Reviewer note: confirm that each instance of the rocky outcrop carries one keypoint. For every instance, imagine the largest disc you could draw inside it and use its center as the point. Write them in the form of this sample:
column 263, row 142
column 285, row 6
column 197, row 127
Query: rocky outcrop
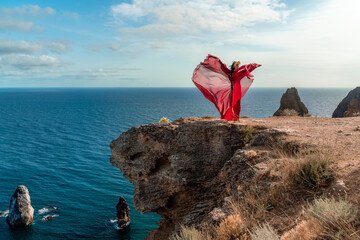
column 20, row 211
column 290, row 100
column 185, row 169
column 123, row 213
column 349, row 106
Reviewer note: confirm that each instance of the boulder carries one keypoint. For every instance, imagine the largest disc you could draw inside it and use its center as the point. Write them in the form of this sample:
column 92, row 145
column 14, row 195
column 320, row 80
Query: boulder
column 290, row 100
column 20, row 211
column 349, row 106
column 123, row 213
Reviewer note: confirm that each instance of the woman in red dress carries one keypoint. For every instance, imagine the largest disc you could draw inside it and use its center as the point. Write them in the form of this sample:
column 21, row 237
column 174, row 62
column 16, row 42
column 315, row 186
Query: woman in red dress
column 222, row 86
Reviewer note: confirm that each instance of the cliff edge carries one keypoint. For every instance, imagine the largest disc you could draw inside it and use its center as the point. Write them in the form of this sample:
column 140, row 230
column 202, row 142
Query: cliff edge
column 190, row 170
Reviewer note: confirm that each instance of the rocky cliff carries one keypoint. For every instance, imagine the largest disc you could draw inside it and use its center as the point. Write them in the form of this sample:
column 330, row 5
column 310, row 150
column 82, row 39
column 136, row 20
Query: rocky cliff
column 349, row 106
column 187, row 170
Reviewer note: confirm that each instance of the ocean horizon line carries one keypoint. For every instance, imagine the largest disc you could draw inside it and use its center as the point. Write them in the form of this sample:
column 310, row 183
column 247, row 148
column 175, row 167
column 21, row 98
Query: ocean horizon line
column 16, row 88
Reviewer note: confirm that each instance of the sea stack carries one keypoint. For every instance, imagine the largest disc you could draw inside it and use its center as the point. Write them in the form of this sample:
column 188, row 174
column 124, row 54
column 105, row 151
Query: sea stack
column 349, row 106
column 290, row 100
column 20, row 211
column 123, row 213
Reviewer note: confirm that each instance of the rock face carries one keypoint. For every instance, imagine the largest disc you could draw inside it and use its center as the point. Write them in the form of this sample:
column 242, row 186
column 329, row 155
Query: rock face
column 20, row 211
column 349, row 106
column 291, row 100
column 184, row 169
column 123, row 213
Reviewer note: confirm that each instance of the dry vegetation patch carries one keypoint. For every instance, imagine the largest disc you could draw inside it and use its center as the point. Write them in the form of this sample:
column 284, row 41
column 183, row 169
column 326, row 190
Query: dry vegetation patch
column 338, row 218
column 264, row 232
column 312, row 172
column 289, row 112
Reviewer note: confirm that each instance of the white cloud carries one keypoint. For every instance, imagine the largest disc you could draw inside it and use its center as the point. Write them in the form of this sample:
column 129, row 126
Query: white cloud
column 59, row 47
column 98, row 47
column 27, row 10
column 15, row 25
column 71, row 15
column 24, row 62
column 164, row 18
column 21, row 18
column 9, row 46
column 114, row 46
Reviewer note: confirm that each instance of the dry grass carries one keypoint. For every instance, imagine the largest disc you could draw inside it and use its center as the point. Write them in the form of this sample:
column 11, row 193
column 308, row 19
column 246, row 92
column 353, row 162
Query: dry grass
column 265, row 232
column 313, row 172
column 330, row 210
column 327, row 219
column 189, row 233
column 308, row 171
column 338, row 218
column 306, row 230
column 232, row 228
column 289, row 112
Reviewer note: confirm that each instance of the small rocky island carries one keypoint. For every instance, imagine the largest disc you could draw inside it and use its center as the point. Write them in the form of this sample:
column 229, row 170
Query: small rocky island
column 193, row 171
column 123, row 213
column 290, row 104
column 21, row 213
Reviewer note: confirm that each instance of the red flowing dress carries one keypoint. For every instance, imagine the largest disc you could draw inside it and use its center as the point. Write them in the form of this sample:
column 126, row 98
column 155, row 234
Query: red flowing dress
column 214, row 80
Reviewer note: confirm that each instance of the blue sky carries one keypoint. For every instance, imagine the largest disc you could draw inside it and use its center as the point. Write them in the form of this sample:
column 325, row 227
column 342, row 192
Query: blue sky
column 158, row 43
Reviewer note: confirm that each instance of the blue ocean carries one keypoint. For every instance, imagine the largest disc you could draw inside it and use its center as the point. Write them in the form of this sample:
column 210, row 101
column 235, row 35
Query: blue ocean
column 56, row 142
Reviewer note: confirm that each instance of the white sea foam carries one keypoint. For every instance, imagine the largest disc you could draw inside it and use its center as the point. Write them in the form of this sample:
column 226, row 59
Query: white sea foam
column 45, row 218
column 116, row 226
column 47, row 209
column 4, row 213
column 43, row 210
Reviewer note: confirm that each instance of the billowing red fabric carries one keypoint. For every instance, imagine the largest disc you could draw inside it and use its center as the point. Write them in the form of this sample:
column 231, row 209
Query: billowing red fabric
column 213, row 79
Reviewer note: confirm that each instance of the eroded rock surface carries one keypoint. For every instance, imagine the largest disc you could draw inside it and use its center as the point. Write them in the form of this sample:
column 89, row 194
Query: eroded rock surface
column 185, row 169
column 20, row 211
column 349, row 106
column 291, row 100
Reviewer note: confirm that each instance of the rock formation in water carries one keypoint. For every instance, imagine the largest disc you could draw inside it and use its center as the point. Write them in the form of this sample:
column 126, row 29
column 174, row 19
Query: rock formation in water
column 20, row 211
column 349, row 106
column 123, row 213
column 290, row 100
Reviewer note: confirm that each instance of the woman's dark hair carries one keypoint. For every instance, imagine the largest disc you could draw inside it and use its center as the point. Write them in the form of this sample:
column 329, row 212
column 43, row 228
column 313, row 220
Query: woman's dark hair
column 232, row 68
